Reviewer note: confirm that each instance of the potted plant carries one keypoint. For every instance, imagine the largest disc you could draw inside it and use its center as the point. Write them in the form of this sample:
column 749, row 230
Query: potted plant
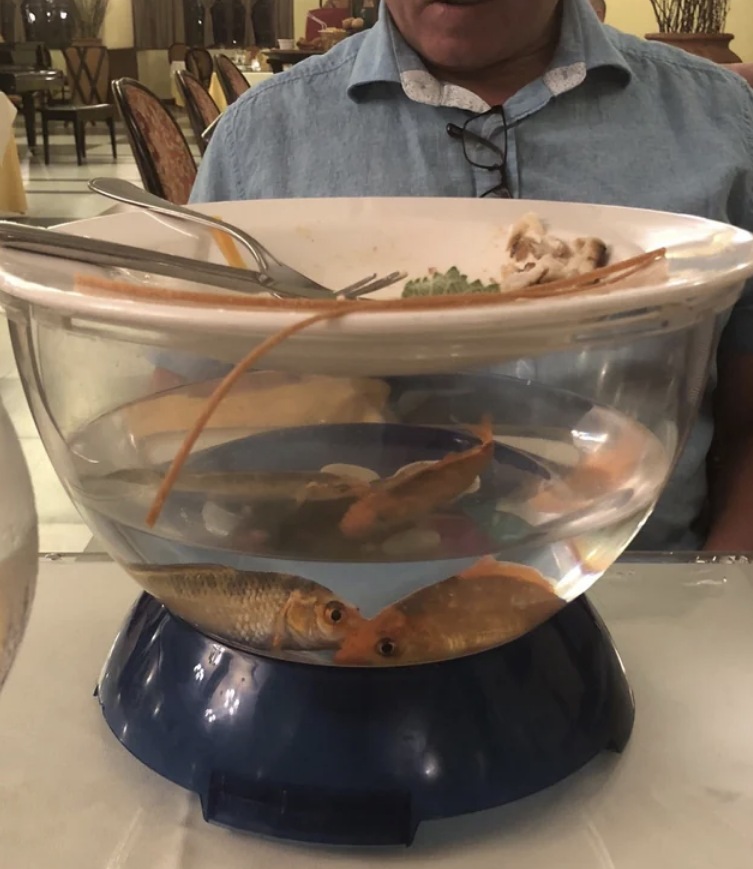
column 696, row 26
column 89, row 18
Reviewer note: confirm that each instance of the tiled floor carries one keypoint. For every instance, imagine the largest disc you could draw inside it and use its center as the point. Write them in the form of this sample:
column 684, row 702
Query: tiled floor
column 56, row 194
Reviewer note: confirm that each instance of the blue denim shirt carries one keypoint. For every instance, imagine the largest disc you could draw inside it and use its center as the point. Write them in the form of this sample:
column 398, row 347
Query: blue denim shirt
column 615, row 120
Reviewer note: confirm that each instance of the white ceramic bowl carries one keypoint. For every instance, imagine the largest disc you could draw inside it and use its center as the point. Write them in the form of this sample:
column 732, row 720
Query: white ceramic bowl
column 339, row 241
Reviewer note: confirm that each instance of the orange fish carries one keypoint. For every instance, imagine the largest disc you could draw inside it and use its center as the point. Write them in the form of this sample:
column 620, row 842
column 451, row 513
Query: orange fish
column 490, row 604
column 401, row 500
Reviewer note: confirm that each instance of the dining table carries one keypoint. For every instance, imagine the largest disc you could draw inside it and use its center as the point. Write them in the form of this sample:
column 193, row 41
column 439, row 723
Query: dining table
column 253, row 78
column 279, row 59
column 12, row 193
column 679, row 797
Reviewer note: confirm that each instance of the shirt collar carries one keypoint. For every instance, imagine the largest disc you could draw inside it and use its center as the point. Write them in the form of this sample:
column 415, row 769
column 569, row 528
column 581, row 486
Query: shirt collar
column 385, row 57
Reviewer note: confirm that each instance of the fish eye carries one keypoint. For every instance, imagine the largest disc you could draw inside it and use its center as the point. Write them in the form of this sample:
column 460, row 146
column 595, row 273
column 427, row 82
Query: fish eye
column 386, row 647
column 335, row 612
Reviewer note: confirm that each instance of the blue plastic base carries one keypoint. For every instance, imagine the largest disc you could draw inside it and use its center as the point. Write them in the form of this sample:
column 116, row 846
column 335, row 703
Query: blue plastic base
column 355, row 756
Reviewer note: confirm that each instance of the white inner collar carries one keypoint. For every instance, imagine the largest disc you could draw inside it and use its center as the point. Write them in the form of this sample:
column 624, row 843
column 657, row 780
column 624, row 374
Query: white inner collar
column 422, row 87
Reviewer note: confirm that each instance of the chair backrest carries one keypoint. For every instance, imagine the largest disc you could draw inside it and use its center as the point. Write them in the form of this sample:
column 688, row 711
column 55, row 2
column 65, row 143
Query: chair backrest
column 200, row 64
column 177, row 52
column 232, row 80
column 165, row 161
column 88, row 73
column 202, row 109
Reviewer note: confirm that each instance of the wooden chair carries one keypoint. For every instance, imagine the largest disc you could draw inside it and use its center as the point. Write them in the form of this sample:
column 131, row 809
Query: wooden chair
column 59, row 97
column 165, row 161
column 200, row 64
column 202, row 109
column 177, row 52
column 88, row 75
column 232, row 81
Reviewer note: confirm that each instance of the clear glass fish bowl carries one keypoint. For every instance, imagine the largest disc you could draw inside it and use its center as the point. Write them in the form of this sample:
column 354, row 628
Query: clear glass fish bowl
column 411, row 480
column 19, row 553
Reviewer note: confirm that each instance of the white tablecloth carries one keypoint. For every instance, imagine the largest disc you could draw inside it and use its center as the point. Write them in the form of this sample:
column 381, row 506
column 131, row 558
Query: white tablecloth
column 681, row 797
column 12, row 194
column 175, row 67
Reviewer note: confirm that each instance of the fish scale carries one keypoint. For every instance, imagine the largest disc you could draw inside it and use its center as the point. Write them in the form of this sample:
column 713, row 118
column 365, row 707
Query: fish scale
column 248, row 607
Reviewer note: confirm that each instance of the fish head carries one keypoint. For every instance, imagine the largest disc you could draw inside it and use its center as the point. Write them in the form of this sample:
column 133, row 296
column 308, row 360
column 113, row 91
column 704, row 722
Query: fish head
column 384, row 641
column 320, row 620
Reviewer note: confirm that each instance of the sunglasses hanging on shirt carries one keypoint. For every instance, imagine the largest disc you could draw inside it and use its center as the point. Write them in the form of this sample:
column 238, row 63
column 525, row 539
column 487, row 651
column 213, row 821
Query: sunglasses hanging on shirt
column 468, row 138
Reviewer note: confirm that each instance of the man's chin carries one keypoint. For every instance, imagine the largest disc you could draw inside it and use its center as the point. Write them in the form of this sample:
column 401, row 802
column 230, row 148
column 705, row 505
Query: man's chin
column 455, row 55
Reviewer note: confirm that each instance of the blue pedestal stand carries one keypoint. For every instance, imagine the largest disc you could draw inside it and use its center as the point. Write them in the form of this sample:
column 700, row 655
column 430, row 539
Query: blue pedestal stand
column 359, row 756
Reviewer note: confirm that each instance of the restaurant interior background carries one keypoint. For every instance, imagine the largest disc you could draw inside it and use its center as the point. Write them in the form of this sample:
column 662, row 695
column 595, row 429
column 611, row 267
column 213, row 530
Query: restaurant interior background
column 137, row 34
column 146, row 60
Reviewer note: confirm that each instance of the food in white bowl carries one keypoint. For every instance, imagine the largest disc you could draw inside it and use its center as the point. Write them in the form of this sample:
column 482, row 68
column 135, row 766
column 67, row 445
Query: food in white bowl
column 364, row 454
column 533, row 257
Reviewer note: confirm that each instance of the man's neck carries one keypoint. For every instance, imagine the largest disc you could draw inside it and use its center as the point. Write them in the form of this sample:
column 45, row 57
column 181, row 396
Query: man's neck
column 496, row 84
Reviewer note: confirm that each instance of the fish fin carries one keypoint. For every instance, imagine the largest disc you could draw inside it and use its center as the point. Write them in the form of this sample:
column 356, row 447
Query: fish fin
column 280, row 633
column 484, row 430
column 486, row 566
column 358, row 519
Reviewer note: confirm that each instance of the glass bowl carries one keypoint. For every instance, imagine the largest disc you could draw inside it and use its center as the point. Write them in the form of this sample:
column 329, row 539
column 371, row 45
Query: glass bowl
column 398, row 486
column 19, row 551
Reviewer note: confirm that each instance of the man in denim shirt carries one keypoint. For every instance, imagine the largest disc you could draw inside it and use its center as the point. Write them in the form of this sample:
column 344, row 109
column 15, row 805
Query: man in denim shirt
column 593, row 115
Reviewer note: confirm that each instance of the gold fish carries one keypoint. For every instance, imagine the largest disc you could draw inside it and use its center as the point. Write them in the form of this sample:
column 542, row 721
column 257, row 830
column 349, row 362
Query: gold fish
column 264, row 611
column 403, row 499
column 490, row 604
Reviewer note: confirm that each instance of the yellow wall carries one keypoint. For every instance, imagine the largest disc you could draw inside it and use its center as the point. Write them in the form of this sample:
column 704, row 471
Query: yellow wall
column 636, row 16
column 301, row 9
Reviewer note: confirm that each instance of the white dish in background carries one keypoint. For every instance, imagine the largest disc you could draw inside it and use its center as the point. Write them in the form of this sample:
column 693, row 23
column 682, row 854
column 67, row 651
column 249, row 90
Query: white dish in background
column 338, row 241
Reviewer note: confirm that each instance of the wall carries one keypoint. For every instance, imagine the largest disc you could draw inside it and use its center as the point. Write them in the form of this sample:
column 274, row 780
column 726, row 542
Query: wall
column 301, row 9
column 636, row 16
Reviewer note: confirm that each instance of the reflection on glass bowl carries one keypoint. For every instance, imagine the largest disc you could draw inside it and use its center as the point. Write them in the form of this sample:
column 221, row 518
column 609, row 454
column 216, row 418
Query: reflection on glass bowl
column 18, row 545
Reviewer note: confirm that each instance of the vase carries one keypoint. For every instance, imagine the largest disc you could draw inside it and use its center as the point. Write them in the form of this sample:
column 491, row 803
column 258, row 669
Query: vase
column 19, row 549
column 712, row 46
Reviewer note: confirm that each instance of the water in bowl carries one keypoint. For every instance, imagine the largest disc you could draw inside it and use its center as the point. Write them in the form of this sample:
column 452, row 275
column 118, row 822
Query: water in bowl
column 259, row 520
